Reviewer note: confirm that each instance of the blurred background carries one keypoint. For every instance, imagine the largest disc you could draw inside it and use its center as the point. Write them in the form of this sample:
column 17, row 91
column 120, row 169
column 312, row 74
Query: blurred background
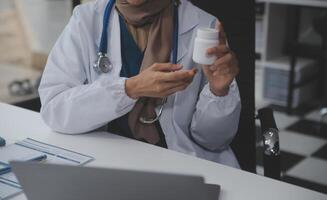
column 291, row 78
column 289, row 71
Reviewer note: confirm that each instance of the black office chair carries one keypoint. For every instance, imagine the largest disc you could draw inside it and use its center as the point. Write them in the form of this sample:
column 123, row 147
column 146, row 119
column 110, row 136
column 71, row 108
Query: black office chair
column 270, row 139
column 239, row 23
column 31, row 104
column 319, row 25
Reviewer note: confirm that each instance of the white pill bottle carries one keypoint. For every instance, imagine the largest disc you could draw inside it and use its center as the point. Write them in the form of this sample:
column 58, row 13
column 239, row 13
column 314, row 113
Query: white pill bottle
column 205, row 38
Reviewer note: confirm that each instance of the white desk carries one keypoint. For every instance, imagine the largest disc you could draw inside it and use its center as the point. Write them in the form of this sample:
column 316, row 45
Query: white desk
column 311, row 3
column 118, row 152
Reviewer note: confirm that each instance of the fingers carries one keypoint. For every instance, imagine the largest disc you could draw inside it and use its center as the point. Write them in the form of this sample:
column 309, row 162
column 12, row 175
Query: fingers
column 226, row 65
column 226, row 59
column 226, row 70
column 166, row 67
column 222, row 34
column 218, row 50
column 177, row 76
column 177, row 89
column 222, row 49
column 168, row 88
column 174, row 86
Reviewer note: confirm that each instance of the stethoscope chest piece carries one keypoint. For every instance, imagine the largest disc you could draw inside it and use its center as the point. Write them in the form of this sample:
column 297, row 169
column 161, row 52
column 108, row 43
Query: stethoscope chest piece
column 103, row 64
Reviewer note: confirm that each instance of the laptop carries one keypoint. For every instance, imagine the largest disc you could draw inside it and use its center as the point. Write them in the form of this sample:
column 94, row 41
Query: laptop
column 52, row 182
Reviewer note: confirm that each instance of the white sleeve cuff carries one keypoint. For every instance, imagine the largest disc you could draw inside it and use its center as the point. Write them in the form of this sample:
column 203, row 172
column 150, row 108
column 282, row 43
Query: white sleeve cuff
column 117, row 88
column 224, row 104
column 232, row 91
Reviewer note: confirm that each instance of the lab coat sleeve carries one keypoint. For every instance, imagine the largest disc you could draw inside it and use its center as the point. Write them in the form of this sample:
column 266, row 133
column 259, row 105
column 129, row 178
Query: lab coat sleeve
column 215, row 120
column 69, row 103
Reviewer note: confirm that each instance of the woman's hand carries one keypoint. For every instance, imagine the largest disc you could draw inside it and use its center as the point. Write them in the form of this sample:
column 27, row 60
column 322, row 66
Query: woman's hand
column 223, row 71
column 159, row 80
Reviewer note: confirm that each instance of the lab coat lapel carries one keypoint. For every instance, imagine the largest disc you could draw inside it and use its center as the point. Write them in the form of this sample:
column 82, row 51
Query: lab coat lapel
column 114, row 45
column 188, row 19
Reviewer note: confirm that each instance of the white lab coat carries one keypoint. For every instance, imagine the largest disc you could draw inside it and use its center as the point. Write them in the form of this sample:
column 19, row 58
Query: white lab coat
column 75, row 99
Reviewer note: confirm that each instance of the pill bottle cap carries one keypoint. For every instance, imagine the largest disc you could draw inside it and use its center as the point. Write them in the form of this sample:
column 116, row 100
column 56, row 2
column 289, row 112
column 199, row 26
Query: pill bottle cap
column 207, row 33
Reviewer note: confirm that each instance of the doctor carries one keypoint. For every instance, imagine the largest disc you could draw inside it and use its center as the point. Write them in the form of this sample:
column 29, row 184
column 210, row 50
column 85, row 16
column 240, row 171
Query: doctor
column 126, row 65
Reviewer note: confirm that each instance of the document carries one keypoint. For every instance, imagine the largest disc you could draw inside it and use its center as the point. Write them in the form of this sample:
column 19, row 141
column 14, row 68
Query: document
column 10, row 176
column 56, row 155
column 8, row 189
column 29, row 150
column 16, row 152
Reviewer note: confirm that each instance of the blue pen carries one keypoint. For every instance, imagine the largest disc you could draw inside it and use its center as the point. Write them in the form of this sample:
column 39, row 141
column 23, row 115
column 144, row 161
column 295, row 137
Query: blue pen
column 2, row 142
column 4, row 170
column 8, row 168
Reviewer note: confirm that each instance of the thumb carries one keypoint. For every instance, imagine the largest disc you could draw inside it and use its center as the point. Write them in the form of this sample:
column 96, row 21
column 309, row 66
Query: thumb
column 222, row 34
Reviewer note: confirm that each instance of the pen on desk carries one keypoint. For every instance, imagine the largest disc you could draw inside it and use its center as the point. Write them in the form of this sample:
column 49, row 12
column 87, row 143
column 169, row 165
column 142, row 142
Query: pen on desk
column 50, row 153
column 2, row 142
column 8, row 168
column 5, row 170
column 40, row 158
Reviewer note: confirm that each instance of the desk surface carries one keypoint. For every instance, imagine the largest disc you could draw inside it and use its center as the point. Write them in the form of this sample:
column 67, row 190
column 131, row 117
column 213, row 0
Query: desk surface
column 310, row 3
column 112, row 151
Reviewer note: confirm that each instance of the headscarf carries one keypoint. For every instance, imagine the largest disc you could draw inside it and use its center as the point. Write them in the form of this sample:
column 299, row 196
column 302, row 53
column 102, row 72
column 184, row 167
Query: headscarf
column 151, row 25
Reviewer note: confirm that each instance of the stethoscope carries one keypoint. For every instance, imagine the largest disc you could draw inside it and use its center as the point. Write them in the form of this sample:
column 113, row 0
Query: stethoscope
column 103, row 64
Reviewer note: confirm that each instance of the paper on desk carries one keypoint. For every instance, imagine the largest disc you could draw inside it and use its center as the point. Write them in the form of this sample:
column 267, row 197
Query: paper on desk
column 8, row 190
column 56, row 154
column 16, row 152
column 25, row 150
column 9, row 185
column 9, row 177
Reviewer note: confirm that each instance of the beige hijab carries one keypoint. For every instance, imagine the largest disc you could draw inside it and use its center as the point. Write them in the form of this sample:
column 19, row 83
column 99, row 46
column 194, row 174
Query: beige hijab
column 151, row 25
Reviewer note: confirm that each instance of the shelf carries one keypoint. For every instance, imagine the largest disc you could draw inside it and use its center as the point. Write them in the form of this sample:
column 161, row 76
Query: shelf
column 310, row 3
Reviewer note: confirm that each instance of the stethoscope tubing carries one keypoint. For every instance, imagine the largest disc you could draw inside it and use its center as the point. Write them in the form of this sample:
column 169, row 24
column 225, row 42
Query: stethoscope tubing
column 103, row 50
